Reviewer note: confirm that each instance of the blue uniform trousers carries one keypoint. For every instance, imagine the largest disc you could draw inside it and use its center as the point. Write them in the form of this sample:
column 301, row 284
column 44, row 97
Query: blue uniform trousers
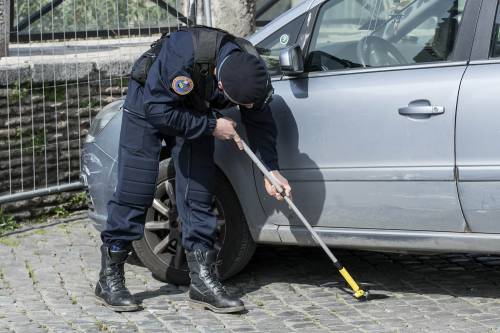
column 138, row 160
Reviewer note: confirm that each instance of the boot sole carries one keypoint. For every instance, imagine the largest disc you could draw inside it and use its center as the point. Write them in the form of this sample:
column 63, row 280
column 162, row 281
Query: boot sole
column 202, row 305
column 119, row 308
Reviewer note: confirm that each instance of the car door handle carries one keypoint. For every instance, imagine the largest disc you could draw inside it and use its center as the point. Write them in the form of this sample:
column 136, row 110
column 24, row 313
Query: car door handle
column 421, row 107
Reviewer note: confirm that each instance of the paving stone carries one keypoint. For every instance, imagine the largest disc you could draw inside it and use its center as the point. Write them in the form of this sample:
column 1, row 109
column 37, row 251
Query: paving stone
column 47, row 281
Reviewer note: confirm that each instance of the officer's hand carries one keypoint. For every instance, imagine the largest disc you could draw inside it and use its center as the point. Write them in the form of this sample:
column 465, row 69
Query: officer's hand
column 225, row 130
column 271, row 190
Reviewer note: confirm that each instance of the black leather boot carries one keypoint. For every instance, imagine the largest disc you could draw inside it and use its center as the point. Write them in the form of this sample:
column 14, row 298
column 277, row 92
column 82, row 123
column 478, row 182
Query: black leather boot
column 205, row 290
column 110, row 288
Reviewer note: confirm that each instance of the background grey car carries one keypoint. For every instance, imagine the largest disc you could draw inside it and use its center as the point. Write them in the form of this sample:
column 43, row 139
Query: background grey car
column 389, row 131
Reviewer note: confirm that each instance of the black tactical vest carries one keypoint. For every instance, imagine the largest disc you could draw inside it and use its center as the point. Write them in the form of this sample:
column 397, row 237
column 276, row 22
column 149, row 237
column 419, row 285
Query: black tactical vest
column 207, row 42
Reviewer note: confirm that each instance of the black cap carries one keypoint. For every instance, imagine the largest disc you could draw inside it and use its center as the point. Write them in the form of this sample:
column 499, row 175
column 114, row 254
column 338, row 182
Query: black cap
column 245, row 78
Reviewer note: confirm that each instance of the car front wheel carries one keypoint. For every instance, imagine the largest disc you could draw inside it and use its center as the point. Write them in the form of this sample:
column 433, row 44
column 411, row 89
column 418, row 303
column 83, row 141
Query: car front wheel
column 161, row 251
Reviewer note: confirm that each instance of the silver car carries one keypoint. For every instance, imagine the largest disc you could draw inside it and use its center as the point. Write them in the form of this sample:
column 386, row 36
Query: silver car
column 389, row 131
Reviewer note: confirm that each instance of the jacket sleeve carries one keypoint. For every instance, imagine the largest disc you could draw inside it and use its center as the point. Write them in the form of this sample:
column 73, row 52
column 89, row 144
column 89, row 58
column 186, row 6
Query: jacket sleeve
column 165, row 108
column 262, row 134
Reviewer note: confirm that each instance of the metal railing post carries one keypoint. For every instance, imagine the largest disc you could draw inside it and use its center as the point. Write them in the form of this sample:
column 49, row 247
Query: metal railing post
column 208, row 12
column 4, row 27
column 192, row 11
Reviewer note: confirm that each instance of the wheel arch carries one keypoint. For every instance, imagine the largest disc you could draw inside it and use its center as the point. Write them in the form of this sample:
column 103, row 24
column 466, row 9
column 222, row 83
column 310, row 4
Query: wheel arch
column 238, row 171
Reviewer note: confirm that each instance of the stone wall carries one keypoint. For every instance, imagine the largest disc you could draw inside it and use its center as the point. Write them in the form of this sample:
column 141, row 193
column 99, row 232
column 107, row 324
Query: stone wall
column 42, row 128
column 39, row 208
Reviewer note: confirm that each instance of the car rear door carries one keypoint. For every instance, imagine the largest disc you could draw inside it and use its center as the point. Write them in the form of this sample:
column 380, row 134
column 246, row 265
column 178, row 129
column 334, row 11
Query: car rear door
column 373, row 146
column 478, row 129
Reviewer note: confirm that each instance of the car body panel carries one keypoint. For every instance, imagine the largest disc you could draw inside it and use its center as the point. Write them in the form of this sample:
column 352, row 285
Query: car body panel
column 239, row 171
column 355, row 162
column 364, row 190
column 478, row 154
column 99, row 175
column 99, row 167
column 394, row 240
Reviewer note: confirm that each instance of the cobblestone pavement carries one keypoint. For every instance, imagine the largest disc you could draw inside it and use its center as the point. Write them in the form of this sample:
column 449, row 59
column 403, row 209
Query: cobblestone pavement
column 47, row 277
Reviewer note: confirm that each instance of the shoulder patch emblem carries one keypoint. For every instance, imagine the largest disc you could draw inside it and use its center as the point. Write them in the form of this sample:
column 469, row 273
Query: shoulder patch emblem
column 182, row 85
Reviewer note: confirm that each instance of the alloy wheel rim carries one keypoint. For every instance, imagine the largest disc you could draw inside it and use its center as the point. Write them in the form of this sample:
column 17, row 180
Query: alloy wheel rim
column 163, row 235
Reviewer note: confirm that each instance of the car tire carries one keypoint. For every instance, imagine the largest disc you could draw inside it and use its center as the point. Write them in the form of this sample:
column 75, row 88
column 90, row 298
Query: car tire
column 233, row 240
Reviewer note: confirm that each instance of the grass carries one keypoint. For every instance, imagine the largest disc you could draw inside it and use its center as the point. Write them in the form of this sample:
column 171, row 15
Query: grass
column 102, row 326
column 38, row 143
column 90, row 102
column 40, row 231
column 8, row 241
column 55, row 93
column 62, row 226
column 18, row 92
column 60, row 212
column 7, row 223
column 31, row 272
column 65, row 228
column 40, row 219
column 120, row 82
column 78, row 199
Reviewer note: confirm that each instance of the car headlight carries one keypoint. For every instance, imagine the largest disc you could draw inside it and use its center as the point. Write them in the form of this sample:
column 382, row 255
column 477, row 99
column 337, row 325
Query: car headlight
column 102, row 119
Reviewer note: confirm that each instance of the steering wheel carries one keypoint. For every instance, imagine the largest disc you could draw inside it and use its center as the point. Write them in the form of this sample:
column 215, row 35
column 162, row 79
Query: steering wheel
column 374, row 51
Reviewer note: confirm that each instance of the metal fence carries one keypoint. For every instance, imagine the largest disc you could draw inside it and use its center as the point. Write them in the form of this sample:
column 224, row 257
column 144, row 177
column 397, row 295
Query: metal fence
column 64, row 19
column 66, row 60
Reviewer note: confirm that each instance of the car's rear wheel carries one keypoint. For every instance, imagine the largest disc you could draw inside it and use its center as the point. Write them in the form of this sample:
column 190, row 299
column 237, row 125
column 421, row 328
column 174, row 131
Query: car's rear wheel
column 161, row 251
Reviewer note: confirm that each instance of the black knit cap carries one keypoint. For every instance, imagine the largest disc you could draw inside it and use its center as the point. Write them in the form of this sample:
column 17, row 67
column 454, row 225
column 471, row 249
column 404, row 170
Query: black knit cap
column 244, row 78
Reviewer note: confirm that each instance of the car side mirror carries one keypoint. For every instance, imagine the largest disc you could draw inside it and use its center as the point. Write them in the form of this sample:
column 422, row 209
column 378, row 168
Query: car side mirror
column 291, row 61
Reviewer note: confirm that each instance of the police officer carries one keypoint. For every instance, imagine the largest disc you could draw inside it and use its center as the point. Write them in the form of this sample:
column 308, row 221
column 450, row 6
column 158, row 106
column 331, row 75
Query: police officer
column 167, row 107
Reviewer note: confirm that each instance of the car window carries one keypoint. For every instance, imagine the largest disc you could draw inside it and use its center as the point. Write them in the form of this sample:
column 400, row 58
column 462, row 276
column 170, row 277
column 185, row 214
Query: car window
column 270, row 48
column 495, row 45
column 376, row 33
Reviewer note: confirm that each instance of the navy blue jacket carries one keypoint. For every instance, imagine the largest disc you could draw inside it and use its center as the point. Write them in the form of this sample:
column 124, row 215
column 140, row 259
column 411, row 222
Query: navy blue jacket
column 157, row 99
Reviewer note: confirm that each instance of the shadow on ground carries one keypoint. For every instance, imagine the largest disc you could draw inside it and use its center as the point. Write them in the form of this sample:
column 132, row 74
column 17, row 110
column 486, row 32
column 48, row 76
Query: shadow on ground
column 384, row 274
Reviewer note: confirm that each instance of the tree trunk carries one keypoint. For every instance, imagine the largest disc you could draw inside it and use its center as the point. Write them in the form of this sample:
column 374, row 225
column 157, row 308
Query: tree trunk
column 4, row 27
column 237, row 17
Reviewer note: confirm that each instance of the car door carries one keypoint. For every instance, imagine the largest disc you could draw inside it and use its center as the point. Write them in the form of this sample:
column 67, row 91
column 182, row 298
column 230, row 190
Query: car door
column 478, row 129
column 366, row 134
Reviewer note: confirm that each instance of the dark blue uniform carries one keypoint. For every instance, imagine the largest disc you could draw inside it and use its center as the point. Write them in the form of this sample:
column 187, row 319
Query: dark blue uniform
column 154, row 113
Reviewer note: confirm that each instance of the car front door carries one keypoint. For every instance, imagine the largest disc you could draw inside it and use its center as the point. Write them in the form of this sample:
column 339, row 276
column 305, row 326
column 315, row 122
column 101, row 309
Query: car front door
column 366, row 135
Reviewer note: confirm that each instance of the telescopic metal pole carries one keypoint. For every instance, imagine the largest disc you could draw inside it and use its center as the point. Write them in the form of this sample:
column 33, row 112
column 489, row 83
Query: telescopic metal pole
column 358, row 292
